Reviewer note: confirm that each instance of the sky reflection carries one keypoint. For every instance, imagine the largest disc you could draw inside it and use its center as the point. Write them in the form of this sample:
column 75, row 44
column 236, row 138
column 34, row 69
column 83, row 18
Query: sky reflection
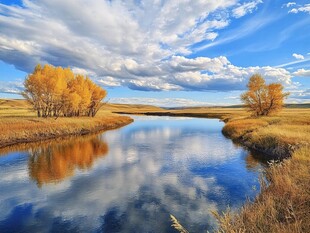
column 127, row 180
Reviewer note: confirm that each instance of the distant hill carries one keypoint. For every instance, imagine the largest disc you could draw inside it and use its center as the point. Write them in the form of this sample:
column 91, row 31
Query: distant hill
column 307, row 105
column 20, row 103
column 14, row 103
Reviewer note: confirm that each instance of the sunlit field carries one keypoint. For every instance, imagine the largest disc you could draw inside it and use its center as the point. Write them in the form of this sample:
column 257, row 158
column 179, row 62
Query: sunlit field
column 19, row 124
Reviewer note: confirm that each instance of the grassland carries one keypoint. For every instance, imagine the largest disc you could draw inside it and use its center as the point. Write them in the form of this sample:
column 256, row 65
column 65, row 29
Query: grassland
column 19, row 124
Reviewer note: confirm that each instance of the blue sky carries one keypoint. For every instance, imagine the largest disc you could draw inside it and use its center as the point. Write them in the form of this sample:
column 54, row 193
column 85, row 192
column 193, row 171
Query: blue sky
column 166, row 53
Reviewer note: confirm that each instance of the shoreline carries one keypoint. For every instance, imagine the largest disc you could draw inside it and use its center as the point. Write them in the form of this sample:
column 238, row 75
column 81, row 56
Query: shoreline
column 283, row 203
column 278, row 137
column 279, row 152
column 35, row 129
column 269, row 211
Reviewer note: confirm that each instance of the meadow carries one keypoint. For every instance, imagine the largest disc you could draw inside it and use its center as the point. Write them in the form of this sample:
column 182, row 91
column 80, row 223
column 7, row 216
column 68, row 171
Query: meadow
column 19, row 124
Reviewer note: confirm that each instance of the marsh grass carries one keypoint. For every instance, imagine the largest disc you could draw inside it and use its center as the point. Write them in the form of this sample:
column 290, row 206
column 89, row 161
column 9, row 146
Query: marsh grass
column 177, row 225
column 283, row 205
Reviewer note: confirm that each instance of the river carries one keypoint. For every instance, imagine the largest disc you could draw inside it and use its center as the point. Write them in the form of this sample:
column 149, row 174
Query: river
column 127, row 180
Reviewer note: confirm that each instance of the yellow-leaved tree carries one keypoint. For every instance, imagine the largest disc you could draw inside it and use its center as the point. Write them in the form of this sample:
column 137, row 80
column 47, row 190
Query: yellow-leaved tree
column 55, row 91
column 262, row 99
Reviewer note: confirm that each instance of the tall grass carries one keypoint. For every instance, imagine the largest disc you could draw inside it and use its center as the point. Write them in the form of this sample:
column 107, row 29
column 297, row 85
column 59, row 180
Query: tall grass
column 19, row 124
column 283, row 206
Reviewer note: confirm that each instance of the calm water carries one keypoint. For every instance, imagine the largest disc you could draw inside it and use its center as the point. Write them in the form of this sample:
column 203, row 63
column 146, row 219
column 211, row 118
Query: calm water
column 126, row 180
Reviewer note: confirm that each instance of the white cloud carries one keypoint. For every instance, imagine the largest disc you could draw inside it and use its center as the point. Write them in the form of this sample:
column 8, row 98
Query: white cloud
column 250, row 26
column 165, row 102
column 299, row 96
column 138, row 44
column 305, row 8
column 302, row 73
column 289, row 4
column 245, row 8
column 298, row 56
column 293, row 63
column 12, row 87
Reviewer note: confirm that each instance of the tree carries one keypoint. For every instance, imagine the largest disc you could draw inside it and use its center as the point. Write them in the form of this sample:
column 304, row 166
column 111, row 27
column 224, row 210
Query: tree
column 54, row 91
column 262, row 99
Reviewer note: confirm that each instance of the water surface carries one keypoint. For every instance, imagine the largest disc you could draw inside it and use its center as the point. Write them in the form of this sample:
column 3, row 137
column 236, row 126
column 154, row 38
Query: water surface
column 127, row 180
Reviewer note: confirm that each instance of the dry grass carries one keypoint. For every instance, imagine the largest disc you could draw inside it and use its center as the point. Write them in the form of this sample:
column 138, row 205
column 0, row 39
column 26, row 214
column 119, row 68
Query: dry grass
column 176, row 225
column 276, row 135
column 283, row 206
column 19, row 124
column 203, row 112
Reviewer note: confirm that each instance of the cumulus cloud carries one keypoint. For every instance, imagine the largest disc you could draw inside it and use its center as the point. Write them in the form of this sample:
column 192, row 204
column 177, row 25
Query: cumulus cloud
column 139, row 44
column 289, row 4
column 14, row 87
column 305, row 8
column 245, row 8
column 299, row 96
column 302, row 73
column 298, row 56
column 165, row 102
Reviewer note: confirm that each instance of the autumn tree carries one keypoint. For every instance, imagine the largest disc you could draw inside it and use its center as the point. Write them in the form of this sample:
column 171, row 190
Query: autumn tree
column 262, row 99
column 54, row 91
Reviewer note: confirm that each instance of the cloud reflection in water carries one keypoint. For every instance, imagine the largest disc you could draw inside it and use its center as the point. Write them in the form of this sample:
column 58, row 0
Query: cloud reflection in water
column 153, row 167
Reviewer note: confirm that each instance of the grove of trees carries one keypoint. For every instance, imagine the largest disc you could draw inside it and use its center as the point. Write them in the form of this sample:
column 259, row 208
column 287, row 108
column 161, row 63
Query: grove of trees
column 56, row 91
column 262, row 99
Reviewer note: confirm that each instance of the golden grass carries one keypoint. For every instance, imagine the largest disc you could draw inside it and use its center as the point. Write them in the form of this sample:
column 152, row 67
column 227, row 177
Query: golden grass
column 279, row 135
column 176, row 225
column 284, row 203
column 283, row 206
column 19, row 124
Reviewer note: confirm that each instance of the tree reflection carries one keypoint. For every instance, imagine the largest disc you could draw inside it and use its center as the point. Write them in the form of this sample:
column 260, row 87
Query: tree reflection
column 254, row 160
column 56, row 161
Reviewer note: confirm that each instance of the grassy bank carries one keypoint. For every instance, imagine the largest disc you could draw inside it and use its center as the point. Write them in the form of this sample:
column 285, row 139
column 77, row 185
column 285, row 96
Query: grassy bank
column 283, row 204
column 277, row 136
column 18, row 124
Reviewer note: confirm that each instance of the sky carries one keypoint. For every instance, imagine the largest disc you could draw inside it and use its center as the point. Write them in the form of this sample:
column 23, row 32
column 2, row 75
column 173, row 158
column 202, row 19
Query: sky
column 160, row 52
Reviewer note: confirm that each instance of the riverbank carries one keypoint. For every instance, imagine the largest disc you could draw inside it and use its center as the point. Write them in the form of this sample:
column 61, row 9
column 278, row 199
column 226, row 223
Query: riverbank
column 283, row 204
column 19, row 124
column 275, row 136
column 16, row 130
